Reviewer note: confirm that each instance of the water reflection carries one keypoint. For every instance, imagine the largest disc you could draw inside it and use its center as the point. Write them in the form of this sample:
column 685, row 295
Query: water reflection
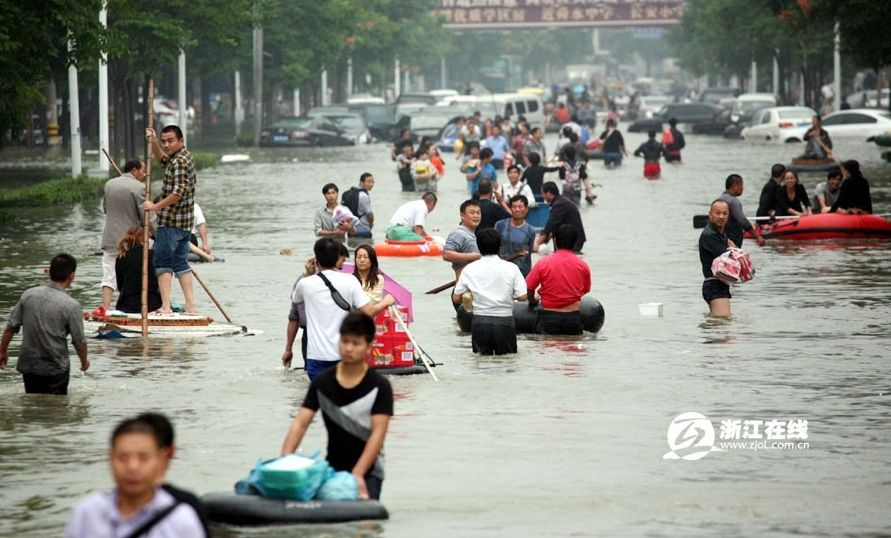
column 343, row 530
column 138, row 356
column 717, row 330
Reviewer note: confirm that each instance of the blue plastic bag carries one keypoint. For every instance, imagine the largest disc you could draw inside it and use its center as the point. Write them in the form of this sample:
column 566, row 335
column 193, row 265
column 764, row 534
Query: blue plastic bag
column 342, row 486
column 300, row 485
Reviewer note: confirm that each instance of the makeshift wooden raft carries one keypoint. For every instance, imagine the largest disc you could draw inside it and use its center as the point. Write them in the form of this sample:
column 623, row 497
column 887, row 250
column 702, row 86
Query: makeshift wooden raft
column 175, row 325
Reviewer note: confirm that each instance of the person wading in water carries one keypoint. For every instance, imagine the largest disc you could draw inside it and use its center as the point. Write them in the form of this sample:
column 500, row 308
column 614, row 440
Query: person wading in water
column 712, row 243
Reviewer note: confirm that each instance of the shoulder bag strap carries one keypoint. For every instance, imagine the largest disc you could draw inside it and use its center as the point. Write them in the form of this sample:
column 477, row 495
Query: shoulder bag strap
column 148, row 525
column 338, row 298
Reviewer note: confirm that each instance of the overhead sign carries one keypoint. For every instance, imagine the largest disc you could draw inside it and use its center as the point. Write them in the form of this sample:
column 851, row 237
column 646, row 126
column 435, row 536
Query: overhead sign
column 503, row 14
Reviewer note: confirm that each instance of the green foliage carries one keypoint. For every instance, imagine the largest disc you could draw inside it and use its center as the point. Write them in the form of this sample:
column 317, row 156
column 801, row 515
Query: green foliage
column 33, row 43
column 863, row 27
column 145, row 37
column 724, row 36
column 205, row 160
column 55, row 192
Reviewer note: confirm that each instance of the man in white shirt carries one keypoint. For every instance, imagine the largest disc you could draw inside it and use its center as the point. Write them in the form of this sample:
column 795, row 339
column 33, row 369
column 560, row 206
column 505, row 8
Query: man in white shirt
column 199, row 229
column 495, row 285
column 408, row 221
column 138, row 506
column 328, row 296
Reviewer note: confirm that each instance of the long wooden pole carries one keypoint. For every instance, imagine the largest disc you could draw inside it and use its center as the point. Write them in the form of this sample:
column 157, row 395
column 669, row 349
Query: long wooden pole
column 213, row 298
column 146, row 218
column 442, row 288
column 395, row 314
column 116, row 167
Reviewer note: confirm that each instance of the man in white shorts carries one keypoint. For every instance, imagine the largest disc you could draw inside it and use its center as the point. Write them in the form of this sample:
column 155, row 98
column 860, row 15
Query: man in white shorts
column 122, row 203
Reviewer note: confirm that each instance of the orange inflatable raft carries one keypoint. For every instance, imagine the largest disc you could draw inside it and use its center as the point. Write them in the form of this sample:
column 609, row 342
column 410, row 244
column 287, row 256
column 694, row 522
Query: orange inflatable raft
column 408, row 248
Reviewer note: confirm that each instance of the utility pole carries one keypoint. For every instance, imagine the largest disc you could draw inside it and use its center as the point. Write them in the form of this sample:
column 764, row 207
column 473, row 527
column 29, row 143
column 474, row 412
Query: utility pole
column 325, row 87
column 443, row 73
column 753, row 83
column 349, row 88
column 103, row 98
column 836, row 70
column 258, row 80
column 181, row 93
column 238, row 111
column 74, row 118
column 397, row 87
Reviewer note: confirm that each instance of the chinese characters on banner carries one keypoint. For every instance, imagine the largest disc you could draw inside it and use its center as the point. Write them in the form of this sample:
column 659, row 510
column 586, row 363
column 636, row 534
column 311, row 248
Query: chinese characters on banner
column 552, row 13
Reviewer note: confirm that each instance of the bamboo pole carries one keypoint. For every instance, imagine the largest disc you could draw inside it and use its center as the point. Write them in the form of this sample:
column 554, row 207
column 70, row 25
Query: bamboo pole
column 116, row 167
column 212, row 296
column 427, row 364
column 146, row 218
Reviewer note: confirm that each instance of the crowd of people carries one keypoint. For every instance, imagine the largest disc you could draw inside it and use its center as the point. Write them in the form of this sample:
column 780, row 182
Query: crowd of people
column 844, row 191
column 489, row 252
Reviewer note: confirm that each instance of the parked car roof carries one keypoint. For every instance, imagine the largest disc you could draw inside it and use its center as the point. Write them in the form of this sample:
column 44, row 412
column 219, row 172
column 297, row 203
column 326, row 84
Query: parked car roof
column 425, row 98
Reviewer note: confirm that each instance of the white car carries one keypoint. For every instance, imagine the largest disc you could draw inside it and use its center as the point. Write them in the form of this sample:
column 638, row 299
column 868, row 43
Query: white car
column 167, row 113
column 650, row 104
column 869, row 98
column 365, row 99
column 858, row 123
column 747, row 104
column 443, row 93
column 779, row 124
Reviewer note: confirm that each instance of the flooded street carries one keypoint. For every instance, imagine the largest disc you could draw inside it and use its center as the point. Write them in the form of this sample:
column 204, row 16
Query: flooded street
column 567, row 437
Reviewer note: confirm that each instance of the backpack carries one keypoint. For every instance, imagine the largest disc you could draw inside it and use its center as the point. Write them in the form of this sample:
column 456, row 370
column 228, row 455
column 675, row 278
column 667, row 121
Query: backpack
column 572, row 177
column 350, row 199
column 667, row 138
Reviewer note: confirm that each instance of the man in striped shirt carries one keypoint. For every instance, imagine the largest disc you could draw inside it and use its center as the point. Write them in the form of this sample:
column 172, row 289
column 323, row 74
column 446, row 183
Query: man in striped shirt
column 176, row 214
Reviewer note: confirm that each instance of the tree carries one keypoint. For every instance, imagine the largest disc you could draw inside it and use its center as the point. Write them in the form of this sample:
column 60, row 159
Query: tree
column 27, row 58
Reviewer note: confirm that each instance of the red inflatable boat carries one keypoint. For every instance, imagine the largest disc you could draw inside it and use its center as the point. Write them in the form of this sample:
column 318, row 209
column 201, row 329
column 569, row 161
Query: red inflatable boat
column 828, row 226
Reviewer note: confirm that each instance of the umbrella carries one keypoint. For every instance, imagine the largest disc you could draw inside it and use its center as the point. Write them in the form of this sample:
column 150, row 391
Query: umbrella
column 397, row 290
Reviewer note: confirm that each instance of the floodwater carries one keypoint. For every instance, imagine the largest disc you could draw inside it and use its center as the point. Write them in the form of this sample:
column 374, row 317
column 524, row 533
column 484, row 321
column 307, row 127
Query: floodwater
column 564, row 439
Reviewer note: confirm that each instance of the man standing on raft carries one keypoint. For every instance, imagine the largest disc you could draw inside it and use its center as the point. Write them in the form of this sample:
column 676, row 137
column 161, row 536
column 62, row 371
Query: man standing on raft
column 175, row 215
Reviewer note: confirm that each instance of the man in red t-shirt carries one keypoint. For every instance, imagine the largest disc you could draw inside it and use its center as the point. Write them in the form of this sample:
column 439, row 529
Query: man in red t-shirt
column 562, row 279
column 562, row 114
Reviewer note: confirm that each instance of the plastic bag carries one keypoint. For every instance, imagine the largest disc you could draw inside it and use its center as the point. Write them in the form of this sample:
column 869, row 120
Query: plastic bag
column 343, row 214
column 733, row 267
column 289, row 477
column 342, row 486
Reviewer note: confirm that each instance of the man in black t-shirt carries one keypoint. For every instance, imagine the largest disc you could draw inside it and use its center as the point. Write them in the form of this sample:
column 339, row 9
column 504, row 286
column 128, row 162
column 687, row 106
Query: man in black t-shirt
column 713, row 242
column 356, row 404
column 768, row 197
column 562, row 212
column 490, row 210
